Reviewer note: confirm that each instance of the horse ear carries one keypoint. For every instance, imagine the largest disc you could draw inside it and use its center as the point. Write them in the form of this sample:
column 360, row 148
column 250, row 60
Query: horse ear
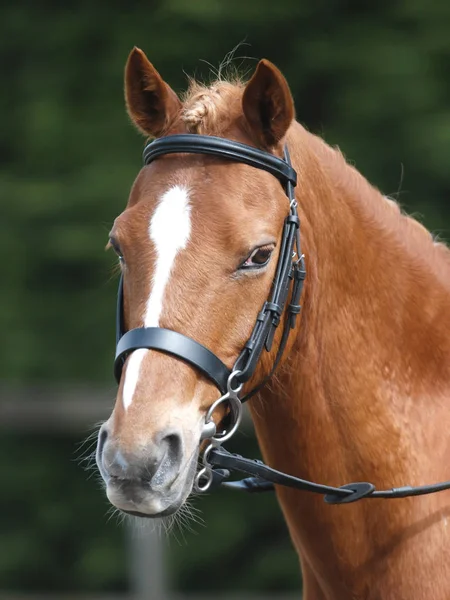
column 150, row 102
column 267, row 104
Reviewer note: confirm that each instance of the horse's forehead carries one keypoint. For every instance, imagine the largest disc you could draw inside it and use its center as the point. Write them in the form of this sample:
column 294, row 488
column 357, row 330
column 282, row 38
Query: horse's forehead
column 218, row 194
column 202, row 175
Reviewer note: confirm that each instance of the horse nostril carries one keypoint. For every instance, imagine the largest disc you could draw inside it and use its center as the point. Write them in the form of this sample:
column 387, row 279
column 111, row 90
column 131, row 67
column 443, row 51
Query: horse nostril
column 173, row 444
column 102, row 437
column 170, row 452
column 156, row 463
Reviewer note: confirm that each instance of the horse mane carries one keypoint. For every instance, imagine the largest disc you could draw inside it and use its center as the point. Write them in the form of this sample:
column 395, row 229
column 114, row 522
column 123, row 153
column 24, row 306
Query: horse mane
column 386, row 214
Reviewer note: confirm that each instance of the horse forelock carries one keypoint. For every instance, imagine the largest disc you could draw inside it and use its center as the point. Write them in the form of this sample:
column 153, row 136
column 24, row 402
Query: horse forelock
column 211, row 109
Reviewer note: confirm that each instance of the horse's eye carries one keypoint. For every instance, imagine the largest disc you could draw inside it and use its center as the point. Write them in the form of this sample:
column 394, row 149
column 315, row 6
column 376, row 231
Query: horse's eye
column 258, row 258
column 115, row 246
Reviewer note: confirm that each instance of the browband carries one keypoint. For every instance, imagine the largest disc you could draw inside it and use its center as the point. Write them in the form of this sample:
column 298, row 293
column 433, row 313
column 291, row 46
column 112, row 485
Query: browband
column 216, row 146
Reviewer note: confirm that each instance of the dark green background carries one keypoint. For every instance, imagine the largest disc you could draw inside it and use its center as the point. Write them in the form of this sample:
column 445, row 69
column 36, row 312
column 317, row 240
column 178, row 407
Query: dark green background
column 371, row 77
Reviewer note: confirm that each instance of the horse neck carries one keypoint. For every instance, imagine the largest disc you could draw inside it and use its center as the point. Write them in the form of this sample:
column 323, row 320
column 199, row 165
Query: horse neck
column 371, row 353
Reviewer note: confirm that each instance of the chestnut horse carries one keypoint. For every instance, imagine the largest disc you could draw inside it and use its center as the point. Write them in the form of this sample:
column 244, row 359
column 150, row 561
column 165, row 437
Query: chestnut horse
column 363, row 389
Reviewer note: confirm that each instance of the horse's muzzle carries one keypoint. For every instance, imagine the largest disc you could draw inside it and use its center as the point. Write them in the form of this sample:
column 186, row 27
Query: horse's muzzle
column 148, row 480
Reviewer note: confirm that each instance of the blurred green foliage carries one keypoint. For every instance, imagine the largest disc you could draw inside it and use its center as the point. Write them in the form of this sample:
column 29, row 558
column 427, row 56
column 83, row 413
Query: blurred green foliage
column 370, row 77
column 52, row 521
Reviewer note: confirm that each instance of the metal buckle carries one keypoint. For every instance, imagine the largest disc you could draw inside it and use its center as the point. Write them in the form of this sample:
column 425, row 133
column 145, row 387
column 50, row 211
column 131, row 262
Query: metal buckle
column 204, row 477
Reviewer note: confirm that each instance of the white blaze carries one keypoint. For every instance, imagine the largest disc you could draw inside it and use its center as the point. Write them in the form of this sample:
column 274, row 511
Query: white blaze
column 169, row 230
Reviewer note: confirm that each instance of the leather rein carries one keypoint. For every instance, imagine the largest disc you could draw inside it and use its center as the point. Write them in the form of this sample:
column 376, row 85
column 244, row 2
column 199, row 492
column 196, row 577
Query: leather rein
column 282, row 305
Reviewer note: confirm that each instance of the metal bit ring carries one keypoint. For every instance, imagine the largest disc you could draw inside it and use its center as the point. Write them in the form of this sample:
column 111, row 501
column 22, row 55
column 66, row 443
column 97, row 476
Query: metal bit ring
column 203, row 474
column 204, row 477
column 232, row 398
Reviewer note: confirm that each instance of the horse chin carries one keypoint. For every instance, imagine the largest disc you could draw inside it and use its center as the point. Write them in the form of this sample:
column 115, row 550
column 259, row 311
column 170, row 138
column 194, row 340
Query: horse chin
column 151, row 505
column 143, row 501
column 170, row 510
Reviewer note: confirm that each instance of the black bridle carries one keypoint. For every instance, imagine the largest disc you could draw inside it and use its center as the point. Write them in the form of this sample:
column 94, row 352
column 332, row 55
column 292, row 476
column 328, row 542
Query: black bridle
column 290, row 268
column 287, row 283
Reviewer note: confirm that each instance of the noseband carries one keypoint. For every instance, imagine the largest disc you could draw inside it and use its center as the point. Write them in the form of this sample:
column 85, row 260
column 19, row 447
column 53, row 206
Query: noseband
column 287, row 283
